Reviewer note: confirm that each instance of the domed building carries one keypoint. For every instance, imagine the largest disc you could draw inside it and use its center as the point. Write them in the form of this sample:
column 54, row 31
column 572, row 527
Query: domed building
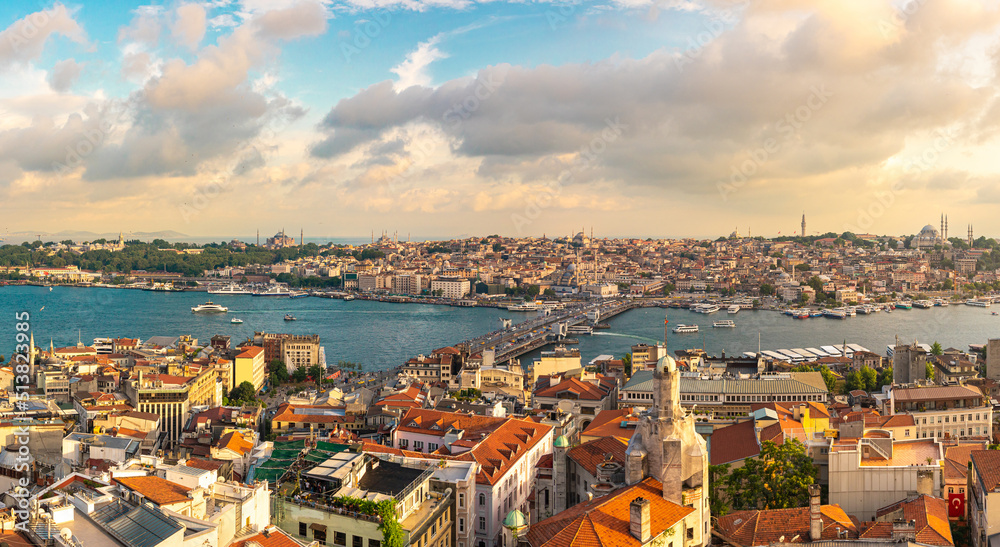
column 927, row 238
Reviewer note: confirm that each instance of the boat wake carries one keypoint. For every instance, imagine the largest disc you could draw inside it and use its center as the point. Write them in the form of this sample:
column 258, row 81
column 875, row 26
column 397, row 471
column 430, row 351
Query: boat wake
column 643, row 338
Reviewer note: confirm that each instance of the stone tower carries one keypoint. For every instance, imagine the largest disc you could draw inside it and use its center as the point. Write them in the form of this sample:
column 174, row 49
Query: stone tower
column 909, row 363
column 560, row 480
column 803, row 224
column 667, row 447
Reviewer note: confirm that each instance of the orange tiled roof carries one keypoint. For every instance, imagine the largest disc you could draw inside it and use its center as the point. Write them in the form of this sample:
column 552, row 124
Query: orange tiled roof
column 734, row 443
column 272, row 537
column 987, row 464
column 607, row 423
column 249, row 352
column 591, row 453
column 930, row 516
column 956, row 460
column 583, row 390
column 234, row 441
column 157, row 490
column 438, row 422
column 504, row 447
column 752, row 528
column 599, row 522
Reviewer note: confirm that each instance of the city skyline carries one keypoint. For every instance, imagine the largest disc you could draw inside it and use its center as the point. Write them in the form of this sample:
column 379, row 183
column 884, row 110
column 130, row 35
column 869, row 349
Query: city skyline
column 456, row 118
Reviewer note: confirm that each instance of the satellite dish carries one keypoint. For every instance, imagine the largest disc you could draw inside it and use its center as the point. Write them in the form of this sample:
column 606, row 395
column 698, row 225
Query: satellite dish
column 66, row 534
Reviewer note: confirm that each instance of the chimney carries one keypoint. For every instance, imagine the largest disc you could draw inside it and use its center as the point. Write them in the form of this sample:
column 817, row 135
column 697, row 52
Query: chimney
column 815, row 519
column 638, row 522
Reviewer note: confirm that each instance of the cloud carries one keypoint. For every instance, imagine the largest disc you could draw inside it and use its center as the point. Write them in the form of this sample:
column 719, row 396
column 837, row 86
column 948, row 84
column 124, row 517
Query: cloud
column 189, row 27
column 24, row 40
column 412, row 71
column 144, row 28
column 304, row 18
column 64, row 74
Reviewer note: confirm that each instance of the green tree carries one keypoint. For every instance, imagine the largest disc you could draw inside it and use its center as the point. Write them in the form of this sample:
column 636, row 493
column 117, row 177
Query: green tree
column 829, row 378
column 717, row 478
column 627, row 364
column 929, row 372
column 316, row 373
column 300, row 375
column 278, row 372
column 884, row 377
column 766, row 289
column 668, row 288
column 243, row 393
column 936, row 349
column 869, row 378
column 778, row 478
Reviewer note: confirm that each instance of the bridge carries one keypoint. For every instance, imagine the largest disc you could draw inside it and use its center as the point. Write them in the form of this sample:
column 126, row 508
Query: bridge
column 514, row 340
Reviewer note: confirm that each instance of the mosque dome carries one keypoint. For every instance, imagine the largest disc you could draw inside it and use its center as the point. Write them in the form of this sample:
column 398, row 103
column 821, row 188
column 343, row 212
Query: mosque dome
column 561, row 442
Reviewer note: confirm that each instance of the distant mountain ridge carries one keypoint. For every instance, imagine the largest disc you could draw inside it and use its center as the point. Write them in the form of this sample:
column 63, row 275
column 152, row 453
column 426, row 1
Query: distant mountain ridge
column 16, row 238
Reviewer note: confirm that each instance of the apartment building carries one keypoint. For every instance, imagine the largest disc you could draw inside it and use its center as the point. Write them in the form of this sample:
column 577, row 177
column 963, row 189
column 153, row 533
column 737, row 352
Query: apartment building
column 249, row 366
column 170, row 397
column 583, row 395
column 300, row 351
column 984, row 498
column 944, row 412
column 451, row 287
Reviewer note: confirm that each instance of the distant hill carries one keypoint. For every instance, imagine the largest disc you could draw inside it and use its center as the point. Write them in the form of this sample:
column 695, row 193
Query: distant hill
column 16, row 238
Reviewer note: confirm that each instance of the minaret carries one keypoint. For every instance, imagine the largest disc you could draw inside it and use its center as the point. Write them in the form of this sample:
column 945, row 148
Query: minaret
column 971, row 240
column 258, row 237
column 301, row 236
column 31, row 355
column 946, row 227
column 941, row 233
column 803, row 224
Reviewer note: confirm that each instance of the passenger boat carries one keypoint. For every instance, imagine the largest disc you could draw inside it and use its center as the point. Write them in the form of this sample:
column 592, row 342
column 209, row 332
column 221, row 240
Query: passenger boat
column 733, row 309
column 682, row 329
column 274, row 290
column 724, row 324
column 940, row 302
column 527, row 306
column 298, row 294
column 231, row 288
column 348, row 298
column 835, row 314
column 906, row 305
column 977, row 303
column 236, row 321
column 705, row 308
column 209, row 307
column 923, row 304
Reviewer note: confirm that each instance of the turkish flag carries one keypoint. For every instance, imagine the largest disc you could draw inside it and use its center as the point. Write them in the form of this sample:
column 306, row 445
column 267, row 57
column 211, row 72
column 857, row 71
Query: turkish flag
column 956, row 505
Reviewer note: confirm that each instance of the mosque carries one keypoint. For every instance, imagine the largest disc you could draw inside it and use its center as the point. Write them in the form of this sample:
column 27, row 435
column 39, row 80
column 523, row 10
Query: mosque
column 930, row 236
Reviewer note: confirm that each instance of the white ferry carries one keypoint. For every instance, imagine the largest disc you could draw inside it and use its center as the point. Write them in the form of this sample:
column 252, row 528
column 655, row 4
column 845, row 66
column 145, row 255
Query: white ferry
column 977, row 303
column 835, row 313
column 231, row 288
column 923, row 304
column 273, row 290
column 209, row 307
column 735, row 308
column 681, row 329
column 527, row 306
column 940, row 302
column 580, row 329
column 236, row 321
column 705, row 308
column 723, row 324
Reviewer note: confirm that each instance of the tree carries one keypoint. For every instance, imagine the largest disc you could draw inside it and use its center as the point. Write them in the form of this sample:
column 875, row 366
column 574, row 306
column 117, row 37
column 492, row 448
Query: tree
column 936, row 349
column 668, row 288
column 316, row 373
column 766, row 289
column 278, row 372
column 300, row 375
column 829, row 378
column 869, row 378
column 884, row 377
column 717, row 478
column 778, row 478
column 243, row 393
column 929, row 372
column 627, row 364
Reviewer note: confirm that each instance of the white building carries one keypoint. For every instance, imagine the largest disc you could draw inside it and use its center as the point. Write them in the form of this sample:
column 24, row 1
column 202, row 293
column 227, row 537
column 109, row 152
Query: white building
column 451, row 287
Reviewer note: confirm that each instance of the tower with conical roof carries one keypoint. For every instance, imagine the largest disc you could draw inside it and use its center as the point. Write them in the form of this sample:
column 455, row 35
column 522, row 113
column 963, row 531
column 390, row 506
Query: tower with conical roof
column 803, row 224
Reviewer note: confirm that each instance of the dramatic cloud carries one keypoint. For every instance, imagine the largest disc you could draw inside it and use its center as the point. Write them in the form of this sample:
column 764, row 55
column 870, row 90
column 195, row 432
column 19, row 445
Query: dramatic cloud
column 64, row 74
column 24, row 40
column 189, row 27
column 304, row 18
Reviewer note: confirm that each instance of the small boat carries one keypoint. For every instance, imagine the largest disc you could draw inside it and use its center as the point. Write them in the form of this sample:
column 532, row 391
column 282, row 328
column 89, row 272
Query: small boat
column 236, row 321
column 289, row 317
column 50, row 289
column 724, row 324
column 348, row 298
column 209, row 307
column 816, row 314
column 835, row 314
column 994, row 313
column 906, row 305
column 298, row 294
column 682, row 329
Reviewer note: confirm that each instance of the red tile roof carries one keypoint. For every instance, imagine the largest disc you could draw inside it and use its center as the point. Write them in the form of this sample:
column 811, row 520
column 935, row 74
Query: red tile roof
column 734, row 443
column 591, row 453
column 930, row 516
column 987, row 465
column 438, row 422
column 272, row 537
column 249, row 352
column 600, row 522
column 607, row 423
column 751, row 528
column 157, row 490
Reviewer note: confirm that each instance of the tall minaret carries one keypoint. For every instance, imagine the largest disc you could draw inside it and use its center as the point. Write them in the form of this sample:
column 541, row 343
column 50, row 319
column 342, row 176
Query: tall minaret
column 302, row 238
column 803, row 224
column 971, row 240
column 31, row 356
column 941, row 233
column 946, row 227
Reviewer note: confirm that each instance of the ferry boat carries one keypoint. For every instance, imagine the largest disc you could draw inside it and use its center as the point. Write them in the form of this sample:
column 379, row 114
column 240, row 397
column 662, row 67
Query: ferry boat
column 801, row 314
column 273, row 290
column 940, row 302
column 289, row 317
column 724, row 324
column 977, row 303
column 923, row 304
column 231, row 288
column 835, row 314
column 904, row 305
column 236, row 321
column 816, row 314
column 866, row 309
column 580, row 329
column 527, row 306
column 851, row 311
column 735, row 308
column 298, row 294
column 209, row 307
column 348, row 298
column 681, row 329
column 705, row 308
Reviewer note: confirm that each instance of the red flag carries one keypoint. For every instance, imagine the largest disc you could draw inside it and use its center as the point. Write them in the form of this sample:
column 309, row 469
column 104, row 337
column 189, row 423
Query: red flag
column 956, row 505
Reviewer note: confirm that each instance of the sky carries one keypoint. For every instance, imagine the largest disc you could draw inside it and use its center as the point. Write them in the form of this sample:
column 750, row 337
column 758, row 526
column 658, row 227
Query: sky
column 450, row 118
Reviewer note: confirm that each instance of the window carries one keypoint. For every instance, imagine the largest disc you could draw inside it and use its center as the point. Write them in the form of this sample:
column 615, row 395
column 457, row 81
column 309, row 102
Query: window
column 432, row 446
column 340, row 538
column 461, row 499
column 418, row 445
column 402, row 443
column 482, row 499
column 302, row 529
column 690, row 533
column 356, row 541
column 461, row 526
column 374, row 543
column 482, row 523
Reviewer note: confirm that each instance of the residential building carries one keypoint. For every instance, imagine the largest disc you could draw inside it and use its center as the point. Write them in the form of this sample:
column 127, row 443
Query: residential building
column 451, row 287
column 984, row 498
column 581, row 394
column 944, row 412
column 249, row 366
column 299, row 351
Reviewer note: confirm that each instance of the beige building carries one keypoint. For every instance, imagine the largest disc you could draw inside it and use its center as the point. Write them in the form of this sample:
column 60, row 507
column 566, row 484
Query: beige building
column 984, row 498
column 249, row 366
column 300, row 351
column 451, row 287
column 559, row 360
column 944, row 412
